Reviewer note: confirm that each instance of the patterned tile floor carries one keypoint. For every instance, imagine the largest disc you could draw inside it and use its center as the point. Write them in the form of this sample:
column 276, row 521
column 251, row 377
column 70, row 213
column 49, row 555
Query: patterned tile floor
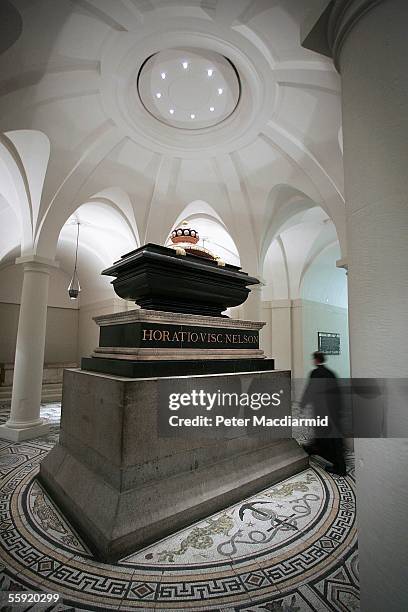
column 291, row 548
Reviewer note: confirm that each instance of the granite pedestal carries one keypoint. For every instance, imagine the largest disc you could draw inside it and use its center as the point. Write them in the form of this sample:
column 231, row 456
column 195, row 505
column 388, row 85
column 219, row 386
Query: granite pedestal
column 124, row 486
column 144, row 343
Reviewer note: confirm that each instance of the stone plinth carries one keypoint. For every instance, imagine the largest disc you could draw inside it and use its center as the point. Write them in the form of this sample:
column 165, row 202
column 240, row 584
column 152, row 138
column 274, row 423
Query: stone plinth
column 140, row 343
column 124, row 485
column 142, row 334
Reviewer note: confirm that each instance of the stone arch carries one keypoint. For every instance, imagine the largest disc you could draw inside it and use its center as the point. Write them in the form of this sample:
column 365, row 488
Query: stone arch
column 105, row 235
column 212, row 230
column 299, row 230
column 113, row 198
column 24, row 156
column 283, row 204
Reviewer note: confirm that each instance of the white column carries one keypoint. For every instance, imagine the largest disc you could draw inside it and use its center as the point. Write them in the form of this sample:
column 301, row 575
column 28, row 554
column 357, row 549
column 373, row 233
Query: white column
column 281, row 333
column 266, row 336
column 369, row 43
column 252, row 305
column 25, row 421
column 252, row 310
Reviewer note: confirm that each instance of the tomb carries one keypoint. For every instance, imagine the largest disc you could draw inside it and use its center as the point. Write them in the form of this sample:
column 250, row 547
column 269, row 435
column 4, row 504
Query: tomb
column 120, row 476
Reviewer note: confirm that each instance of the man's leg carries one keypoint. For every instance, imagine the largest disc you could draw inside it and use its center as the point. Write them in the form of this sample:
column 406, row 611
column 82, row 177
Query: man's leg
column 337, row 457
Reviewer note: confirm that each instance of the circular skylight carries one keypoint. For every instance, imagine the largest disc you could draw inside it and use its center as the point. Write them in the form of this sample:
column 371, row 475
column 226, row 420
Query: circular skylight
column 189, row 88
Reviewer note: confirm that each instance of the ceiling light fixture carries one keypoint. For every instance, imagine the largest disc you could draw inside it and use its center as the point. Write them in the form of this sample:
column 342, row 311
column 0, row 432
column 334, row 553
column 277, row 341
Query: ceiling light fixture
column 74, row 287
column 174, row 82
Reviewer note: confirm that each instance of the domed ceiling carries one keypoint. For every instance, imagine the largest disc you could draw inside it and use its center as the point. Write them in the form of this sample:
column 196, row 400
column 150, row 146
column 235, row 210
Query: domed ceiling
column 151, row 105
column 189, row 88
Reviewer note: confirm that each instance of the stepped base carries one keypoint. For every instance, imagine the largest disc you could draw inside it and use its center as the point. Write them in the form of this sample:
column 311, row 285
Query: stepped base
column 49, row 393
column 51, row 384
column 186, row 367
column 124, row 485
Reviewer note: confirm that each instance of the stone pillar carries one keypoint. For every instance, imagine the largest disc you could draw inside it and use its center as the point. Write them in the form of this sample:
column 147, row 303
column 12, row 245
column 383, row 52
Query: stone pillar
column 368, row 42
column 281, row 315
column 252, row 306
column 25, row 421
column 252, row 309
column 266, row 336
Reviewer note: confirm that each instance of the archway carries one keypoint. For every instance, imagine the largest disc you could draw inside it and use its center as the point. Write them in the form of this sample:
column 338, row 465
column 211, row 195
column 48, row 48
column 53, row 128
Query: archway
column 214, row 234
column 104, row 236
column 304, row 291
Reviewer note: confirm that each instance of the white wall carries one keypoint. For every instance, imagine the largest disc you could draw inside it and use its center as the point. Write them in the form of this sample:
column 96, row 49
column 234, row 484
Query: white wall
column 323, row 281
column 11, row 282
column 61, row 337
column 292, row 335
column 325, row 318
column 62, row 317
column 71, row 332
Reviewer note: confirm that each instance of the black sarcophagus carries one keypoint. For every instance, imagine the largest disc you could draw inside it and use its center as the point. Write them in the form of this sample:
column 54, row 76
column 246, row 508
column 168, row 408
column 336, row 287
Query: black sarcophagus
column 159, row 278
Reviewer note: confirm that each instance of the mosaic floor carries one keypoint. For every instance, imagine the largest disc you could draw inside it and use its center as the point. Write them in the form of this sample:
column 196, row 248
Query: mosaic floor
column 291, row 548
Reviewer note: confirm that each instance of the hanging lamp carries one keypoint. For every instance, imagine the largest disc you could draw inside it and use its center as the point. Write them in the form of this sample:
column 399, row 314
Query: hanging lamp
column 74, row 287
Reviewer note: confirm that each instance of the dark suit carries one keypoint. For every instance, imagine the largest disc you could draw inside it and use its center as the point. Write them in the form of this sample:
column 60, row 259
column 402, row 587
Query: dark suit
column 324, row 395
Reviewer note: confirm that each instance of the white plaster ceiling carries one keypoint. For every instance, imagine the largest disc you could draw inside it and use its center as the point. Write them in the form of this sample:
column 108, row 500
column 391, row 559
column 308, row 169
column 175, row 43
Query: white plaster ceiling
column 76, row 131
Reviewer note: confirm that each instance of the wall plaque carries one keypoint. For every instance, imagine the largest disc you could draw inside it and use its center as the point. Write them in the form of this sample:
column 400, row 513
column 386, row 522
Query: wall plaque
column 328, row 343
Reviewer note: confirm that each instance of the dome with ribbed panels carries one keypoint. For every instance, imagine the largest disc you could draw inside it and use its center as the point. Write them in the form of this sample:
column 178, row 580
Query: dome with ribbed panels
column 83, row 126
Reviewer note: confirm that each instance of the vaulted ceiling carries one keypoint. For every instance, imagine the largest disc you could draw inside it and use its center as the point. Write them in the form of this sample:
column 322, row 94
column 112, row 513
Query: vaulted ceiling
column 82, row 124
